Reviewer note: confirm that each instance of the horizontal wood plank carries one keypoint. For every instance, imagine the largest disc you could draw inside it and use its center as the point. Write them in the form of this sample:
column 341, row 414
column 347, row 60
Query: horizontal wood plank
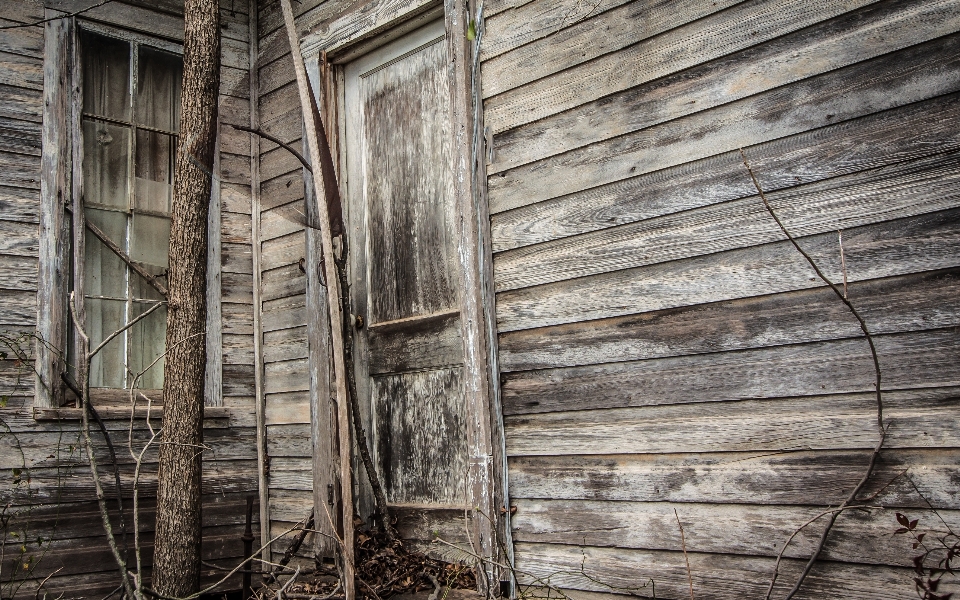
column 858, row 536
column 889, row 249
column 723, row 577
column 838, row 422
column 900, row 304
column 908, row 360
column 794, row 478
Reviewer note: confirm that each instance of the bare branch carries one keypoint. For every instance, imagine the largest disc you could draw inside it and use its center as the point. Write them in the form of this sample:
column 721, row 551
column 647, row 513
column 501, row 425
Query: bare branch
column 129, row 324
column 150, row 279
column 91, row 456
column 842, row 296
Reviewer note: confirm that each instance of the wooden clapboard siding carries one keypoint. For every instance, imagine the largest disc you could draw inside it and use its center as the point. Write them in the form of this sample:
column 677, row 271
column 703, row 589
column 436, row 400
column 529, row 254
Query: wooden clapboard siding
column 878, row 29
column 614, row 572
column 662, row 346
column 286, row 374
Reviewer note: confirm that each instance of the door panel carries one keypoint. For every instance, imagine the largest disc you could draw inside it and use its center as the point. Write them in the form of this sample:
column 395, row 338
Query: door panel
column 404, row 270
column 421, row 437
column 408, row 187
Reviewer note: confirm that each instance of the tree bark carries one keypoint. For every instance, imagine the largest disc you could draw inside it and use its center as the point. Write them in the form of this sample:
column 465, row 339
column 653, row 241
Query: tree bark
column 176, row 569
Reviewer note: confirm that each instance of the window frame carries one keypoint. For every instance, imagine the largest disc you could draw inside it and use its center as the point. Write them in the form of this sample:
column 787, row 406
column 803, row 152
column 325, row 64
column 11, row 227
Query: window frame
column 62, row 229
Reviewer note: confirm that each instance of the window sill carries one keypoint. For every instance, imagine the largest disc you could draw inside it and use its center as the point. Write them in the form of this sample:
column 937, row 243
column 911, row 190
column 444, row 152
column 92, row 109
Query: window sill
column 119, row 413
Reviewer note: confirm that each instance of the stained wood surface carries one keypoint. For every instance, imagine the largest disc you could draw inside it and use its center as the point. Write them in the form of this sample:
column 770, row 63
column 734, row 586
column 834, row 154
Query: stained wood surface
column 845, row 421
column 860, row 536
column 796, row 477
column 722, row 576
column 888, row 305
column 742, row 26
column 419, row 418
column 903, row 190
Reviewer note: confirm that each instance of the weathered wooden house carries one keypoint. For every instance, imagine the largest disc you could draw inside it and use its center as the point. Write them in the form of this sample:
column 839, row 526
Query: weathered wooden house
column 578, row 327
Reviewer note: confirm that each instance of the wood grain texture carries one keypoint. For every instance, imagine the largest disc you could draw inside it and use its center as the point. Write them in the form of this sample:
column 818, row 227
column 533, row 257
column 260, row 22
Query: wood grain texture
column 728, row 31
column 428, row 343
column 858, row 537
column 900, row 191
column 873, row 141
column 884, row 250
column 361, row 21
column 856, row 36
column 837, row 422
column 509, row 30
column 419, row 418
column 800, row 477
column 914, row 74
column 21, row 103
column 22, row 206
column 908, row 360
column 723, row 577
column 548, row 37
column 899, row 304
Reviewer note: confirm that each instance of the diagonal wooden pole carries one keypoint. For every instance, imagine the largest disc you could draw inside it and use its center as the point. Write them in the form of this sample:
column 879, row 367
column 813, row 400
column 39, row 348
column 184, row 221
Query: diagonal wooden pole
column 333, row 300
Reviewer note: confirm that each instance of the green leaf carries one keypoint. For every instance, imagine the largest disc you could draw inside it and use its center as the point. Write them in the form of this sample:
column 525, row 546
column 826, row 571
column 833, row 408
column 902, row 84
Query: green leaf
column 472, row 30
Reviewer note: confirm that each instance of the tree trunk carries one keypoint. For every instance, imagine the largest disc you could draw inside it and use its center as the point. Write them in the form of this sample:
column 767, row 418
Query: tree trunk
column 176, row 568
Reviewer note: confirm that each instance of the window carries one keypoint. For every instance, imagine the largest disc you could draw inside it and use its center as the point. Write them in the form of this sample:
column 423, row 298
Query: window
column 129, row 124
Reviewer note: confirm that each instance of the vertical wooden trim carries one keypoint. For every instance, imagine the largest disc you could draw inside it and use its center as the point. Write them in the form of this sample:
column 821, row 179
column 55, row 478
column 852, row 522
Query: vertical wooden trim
column 262, row 456
column 55, row 194
column 79, row 216
column 213, row 392
column 481, row 481
column 500, row 487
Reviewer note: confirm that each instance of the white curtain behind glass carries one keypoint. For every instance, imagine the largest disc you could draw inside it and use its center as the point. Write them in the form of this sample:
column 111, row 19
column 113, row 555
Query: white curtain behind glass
column 129, row 145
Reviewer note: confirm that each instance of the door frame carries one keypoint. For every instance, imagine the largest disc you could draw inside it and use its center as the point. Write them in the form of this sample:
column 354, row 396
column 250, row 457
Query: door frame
column 353, row 34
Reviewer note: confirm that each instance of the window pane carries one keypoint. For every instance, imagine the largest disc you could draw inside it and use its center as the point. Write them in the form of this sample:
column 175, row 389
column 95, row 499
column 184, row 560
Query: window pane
column 154, row 171
column 106, row 76
column 147, row 341
column 103, row 318
column 158, row 89
column 106, row 149
column 150, row 239
column 103, row 272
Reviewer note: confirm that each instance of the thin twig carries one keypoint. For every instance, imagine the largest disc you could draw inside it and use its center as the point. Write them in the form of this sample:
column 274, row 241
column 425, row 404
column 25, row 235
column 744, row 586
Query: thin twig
column 289, row 582
column 129, row 324
column 876, row 366
column 683, row 545
column 63, row 16
column 36, row 595
column 836, row 290
column 843, row 261
column 91, row 456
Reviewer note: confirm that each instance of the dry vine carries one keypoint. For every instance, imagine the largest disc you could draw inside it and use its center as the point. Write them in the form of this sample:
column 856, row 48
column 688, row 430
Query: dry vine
column 833, row 514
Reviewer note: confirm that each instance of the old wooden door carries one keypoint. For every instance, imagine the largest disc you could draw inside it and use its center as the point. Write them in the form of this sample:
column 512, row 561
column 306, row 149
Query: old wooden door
column 404, row 272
